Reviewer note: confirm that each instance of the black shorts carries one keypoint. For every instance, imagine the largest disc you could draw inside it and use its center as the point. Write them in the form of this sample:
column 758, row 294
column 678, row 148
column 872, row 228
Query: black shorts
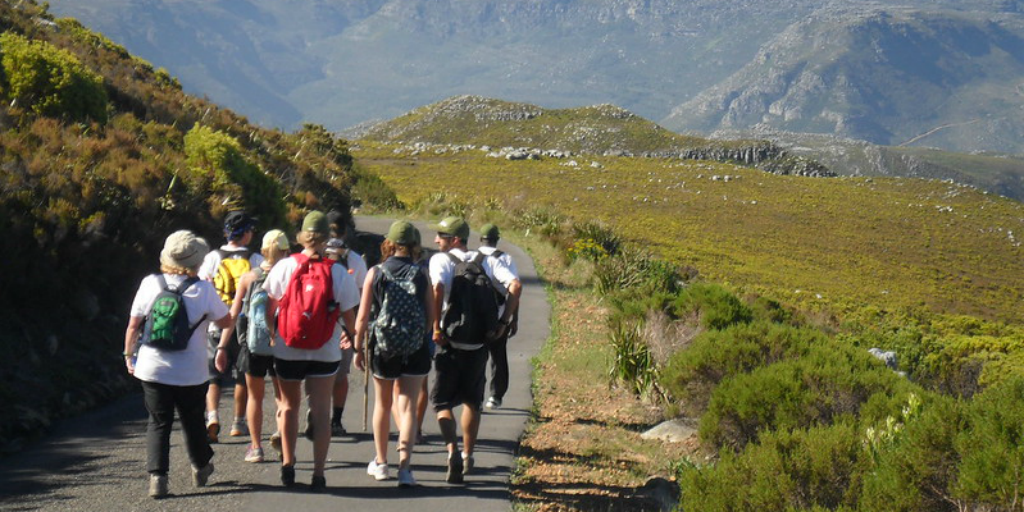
column 416, row 365
column 460, row 378
column 255, row 365
column 300, row 370
column 233, row 374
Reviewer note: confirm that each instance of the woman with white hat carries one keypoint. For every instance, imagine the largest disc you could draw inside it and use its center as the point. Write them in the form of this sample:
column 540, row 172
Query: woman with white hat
column 175, row 379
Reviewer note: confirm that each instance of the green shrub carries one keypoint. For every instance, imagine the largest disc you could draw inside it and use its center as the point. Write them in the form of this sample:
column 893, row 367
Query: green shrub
column 964, row 364
column 599, row 234
column 50, row 81
column 216, row 165
column 716, row 307
column 991, row 475
column 826, row 384
column 637, row 271
column 633, row 365
column 917, row 467
column 692, row 374
column 587, row 249
column 768, row 310
column 369, row 191
column 789, row 470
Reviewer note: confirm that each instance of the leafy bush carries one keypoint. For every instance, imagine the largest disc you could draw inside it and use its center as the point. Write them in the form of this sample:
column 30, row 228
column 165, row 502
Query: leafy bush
column 217, row 169
column 991, row 471
column 692, row 374
column 637, row 271
column 789, row 470
column 369, row 191
column 599, row 234
column 826, row 384
column 50, row 81
column 916, row 468
column 715, row 306
column 586, row 249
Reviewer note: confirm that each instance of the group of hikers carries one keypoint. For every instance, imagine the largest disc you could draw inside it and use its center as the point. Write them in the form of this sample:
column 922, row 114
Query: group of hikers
column 303, row 319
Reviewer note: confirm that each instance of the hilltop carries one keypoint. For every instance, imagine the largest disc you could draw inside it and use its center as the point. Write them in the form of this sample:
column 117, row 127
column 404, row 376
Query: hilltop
column 520, row 130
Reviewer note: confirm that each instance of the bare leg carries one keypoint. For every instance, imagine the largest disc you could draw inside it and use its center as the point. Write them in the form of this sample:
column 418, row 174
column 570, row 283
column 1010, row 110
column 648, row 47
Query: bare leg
column 382, row 407
column 320, row 389
column 421, row 406
column 446, row 421
column 254, row 410
column 470, row 427
column 409, row 388
column 291, row 399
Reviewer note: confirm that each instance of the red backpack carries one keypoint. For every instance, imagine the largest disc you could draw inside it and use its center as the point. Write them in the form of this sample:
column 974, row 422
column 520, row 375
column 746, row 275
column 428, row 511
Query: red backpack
column 307, row 313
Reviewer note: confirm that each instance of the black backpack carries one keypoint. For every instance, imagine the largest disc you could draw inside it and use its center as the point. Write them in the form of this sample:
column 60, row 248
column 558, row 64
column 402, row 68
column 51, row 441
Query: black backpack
column 167, row 325
column 473, row 303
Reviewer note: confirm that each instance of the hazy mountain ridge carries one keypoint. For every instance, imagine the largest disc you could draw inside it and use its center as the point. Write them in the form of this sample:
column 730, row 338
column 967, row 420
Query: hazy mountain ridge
column 341, row 62
column 939, row 79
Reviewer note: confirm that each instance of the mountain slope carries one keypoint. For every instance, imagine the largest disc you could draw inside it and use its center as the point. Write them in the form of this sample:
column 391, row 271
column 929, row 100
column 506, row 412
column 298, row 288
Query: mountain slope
column 893, row 77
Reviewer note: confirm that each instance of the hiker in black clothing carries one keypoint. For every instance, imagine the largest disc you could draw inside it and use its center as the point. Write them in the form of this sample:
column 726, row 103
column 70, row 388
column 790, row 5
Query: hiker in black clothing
column 461, row 366
column 498, row 349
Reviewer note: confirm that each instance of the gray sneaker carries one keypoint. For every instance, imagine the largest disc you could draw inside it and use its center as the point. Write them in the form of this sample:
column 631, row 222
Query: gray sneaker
column 202, row 475
column 467, row 464
column 157, row 486
column 454, row 475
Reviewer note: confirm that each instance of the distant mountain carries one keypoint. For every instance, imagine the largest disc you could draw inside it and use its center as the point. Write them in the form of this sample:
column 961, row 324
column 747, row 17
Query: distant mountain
column 891, row 77
column 342, row 62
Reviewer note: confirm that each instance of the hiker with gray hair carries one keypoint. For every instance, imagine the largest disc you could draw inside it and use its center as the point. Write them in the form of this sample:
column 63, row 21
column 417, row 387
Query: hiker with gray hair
column 165, row 348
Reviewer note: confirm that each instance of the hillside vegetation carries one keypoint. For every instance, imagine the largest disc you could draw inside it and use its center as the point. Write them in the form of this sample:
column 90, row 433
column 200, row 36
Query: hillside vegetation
column 838, row 245
column 104, row 156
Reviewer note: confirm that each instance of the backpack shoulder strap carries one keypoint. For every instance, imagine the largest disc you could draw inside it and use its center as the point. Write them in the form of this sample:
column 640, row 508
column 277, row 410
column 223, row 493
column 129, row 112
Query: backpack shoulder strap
column 497, row 253
column 479, row 258
column 161, row 280
column 455, row 259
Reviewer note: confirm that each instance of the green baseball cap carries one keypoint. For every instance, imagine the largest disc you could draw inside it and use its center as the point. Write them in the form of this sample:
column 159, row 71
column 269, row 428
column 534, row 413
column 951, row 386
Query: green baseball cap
column 316, row 222
column 403, row 233
column 489, row 232
column 454, row 226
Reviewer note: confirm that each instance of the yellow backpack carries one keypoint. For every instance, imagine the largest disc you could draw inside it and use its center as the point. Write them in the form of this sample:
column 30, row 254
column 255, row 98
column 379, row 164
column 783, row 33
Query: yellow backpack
column 233, row 265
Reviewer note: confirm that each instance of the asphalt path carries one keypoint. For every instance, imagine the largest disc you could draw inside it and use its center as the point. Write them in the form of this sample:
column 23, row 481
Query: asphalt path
column 97, row 461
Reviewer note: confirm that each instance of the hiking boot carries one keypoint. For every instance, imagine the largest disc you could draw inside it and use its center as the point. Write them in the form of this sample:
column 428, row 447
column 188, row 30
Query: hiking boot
column 493, row 402
column 212, row 430
column 157, row 486
column 405, row 479
column 337, row 430
column 467, row 463
column 288, row 476
column 309, row 426
column 201, row 475
column 254, row 454
column 454, row 475
column 319, row 484
column 377, row 471
column 275, row 442
column 239, row 428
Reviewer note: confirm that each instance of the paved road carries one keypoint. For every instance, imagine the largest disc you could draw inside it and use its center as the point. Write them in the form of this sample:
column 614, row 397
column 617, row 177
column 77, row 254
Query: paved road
column 97, row 461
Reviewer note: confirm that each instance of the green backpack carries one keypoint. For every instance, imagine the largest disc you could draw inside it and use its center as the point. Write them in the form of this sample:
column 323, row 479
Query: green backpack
column 167, row 325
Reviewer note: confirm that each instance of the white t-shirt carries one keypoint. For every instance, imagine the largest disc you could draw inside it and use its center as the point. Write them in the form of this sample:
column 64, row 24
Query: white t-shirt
column 346, row 294
column 357, row 268
column 442, row 268
column 208, row 269
column 183, row 367
column 504, row 258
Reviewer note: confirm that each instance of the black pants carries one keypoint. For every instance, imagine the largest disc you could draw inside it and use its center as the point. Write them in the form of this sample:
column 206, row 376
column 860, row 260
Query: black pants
column 498, row 350
column 161, row 402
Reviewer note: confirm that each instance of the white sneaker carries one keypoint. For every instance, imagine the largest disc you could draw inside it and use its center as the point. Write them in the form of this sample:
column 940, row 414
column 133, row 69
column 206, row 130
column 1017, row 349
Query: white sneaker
column 377, row 471
column 467, row 463
column 493, row 403
column 405, row 478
